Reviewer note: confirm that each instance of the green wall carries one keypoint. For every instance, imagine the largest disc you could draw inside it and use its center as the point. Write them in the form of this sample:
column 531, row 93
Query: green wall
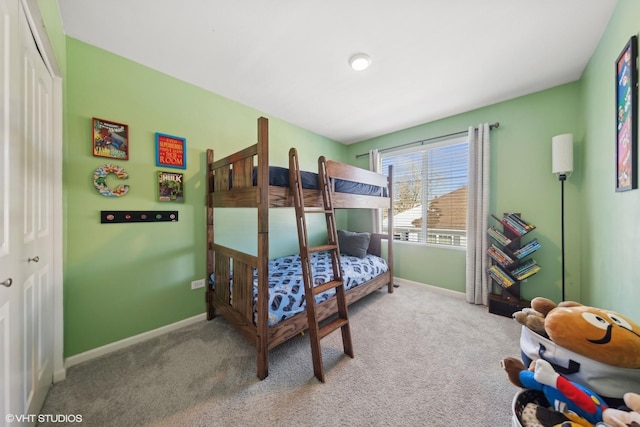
column 610, row 220
column 602, row 227
column 124, row 279
column 521, row 181
column 120, row 280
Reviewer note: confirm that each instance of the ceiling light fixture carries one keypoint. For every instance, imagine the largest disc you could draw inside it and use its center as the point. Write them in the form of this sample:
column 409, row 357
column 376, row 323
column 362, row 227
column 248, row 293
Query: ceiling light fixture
column 360, row 61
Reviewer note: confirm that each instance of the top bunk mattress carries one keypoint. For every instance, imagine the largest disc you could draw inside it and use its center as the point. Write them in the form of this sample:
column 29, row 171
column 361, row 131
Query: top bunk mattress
column 279, row 177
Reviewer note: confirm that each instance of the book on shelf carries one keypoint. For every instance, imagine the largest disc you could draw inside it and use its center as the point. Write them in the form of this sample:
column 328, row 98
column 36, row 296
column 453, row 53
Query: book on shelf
column 520, row 222
column 527, row 249
column 499, row 256
column 498, row 236
column 525, row 270
column 515, row 224
column 509, row 226
column 500, row 276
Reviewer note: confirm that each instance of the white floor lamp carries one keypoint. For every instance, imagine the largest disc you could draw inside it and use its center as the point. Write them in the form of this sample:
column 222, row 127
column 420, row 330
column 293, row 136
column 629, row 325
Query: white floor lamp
column 562, row 166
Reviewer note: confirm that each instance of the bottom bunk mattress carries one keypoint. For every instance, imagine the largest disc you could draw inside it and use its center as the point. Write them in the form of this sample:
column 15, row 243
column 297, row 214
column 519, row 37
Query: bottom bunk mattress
column 286, row 285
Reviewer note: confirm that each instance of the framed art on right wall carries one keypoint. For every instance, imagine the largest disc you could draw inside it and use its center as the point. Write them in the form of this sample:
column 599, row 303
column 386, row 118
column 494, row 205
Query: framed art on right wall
column 626, row 117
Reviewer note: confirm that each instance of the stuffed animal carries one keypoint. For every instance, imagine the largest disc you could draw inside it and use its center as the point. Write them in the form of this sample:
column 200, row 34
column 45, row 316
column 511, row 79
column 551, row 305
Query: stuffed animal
column 572, row 402
column 532, row 319
column 601, row 335
column 620, row 418
column 564, row 395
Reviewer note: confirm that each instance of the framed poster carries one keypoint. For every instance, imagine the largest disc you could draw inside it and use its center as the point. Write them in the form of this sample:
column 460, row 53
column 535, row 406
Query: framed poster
column 170, row 187
column 110, row 139
column 171, row 151
column 626, row 117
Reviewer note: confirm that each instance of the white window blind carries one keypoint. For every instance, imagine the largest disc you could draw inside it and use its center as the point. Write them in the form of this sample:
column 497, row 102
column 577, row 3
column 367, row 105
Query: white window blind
column 430, row 193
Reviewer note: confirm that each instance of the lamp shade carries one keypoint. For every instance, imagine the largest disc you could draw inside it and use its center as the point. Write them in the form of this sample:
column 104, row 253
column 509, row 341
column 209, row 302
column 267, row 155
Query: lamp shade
column 562, row 154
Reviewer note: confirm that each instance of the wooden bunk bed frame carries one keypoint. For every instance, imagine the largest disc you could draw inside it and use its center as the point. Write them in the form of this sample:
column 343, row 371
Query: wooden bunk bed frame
column 230, row 184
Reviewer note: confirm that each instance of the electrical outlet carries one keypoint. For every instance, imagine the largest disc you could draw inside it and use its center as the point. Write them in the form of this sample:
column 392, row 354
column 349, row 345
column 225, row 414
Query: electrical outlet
column 197, row 284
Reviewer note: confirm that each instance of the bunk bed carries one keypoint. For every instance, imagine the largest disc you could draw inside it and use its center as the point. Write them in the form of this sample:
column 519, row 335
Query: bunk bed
column 238, row 287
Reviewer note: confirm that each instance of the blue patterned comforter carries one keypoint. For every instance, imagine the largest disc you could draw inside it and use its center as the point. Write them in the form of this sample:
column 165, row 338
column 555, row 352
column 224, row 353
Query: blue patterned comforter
column 286, row 286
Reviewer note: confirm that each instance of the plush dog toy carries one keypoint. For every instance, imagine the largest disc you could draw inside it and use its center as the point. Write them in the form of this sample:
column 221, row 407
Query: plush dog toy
column 601, row 335
column 532, row 319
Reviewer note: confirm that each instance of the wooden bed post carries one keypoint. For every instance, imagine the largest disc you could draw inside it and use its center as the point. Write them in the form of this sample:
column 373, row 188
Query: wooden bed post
column 210, row 228
column 390, row 230
column 262, row 344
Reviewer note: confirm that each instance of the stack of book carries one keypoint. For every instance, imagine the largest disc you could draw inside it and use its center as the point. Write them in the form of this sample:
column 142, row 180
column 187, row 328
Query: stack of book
column 511, row 263
column 526, row 269
column 527, row 249
column 500, row 277
column 516, row 224
column 498, row 236
column 499, row 256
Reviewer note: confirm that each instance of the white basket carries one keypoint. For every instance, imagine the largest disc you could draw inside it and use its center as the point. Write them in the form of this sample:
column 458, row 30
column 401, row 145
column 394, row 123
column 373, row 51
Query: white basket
column 521, row 399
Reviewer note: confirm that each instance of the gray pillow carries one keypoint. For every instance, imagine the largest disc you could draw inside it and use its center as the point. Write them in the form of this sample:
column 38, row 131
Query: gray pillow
column 354, row 243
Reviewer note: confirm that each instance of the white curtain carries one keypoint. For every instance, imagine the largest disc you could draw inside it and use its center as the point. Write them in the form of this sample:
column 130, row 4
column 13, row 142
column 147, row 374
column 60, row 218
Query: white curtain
column 477, row 280
column 375, row 164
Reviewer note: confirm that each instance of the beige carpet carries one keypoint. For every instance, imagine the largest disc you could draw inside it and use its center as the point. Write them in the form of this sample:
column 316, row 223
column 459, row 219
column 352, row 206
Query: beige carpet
column 424, row 357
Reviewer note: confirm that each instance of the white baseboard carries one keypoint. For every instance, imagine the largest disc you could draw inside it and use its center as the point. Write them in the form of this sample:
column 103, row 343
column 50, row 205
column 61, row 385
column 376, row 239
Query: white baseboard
column 60, row 375
column 118, row 345
column 446, row 291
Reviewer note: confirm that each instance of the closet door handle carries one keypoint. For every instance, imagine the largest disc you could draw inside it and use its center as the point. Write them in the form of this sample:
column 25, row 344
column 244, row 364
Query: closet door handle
column 34, row 259
column 7, row 282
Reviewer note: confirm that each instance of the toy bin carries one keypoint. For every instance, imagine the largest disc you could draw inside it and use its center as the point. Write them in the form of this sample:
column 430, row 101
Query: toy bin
column 610, row 382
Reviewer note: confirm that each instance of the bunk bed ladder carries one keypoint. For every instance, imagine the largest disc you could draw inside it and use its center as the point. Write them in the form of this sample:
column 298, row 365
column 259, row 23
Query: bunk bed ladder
column 317, row 332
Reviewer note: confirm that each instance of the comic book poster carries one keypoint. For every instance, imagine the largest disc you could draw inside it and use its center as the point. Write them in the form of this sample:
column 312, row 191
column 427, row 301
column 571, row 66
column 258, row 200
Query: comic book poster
column 110, row 139
column 170, row 187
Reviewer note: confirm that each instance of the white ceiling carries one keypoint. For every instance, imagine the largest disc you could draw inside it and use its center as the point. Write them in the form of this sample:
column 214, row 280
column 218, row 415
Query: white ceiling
column 288, row 58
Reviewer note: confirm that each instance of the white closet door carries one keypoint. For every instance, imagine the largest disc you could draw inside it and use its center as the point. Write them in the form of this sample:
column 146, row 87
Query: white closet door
column 26, row 243
column 11, row 204
column 37, row 233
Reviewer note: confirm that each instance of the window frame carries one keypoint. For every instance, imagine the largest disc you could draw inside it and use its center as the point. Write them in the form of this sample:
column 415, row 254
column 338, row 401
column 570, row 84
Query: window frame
column 425, row 147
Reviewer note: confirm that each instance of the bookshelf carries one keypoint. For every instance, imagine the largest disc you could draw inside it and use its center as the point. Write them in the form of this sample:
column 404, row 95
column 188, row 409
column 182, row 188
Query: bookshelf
column 511, row 262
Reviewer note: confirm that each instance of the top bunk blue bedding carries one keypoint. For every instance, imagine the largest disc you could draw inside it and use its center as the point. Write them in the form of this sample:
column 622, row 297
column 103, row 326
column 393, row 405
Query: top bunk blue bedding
column 279, row 177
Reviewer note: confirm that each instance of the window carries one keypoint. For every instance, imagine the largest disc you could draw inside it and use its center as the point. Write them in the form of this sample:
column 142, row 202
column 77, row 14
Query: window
column 430, row 193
